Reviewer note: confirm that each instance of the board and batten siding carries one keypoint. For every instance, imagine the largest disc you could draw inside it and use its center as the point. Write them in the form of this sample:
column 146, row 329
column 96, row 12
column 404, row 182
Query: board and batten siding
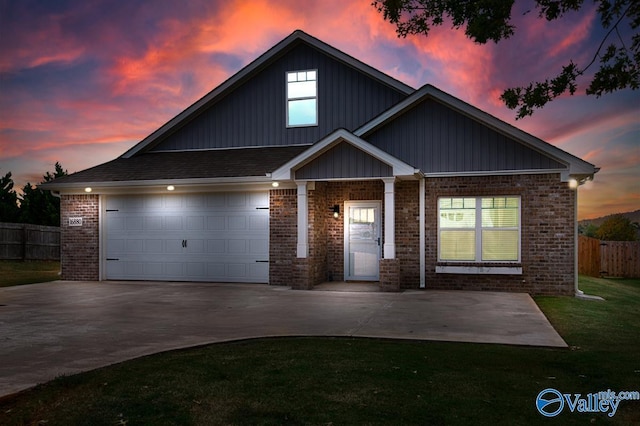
column 344, row 161
column 438, row 139
column 254, row 114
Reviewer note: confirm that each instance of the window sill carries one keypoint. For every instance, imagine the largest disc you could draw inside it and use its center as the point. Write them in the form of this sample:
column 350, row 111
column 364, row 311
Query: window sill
column 480, row 270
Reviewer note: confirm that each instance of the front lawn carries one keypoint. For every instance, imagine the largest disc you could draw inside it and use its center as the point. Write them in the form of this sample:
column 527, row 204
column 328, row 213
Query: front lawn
column 363, row 381
column 14, row 272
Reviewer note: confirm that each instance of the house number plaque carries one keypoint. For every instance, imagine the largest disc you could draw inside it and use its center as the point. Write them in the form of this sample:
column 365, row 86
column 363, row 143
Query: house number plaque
column 75, row 221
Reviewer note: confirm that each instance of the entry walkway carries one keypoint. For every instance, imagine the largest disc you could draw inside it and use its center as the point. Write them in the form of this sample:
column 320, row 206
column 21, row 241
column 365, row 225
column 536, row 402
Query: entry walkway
column 63, row 327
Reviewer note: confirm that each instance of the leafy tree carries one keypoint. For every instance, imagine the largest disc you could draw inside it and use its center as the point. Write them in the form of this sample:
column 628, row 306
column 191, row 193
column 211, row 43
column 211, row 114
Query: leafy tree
column 40, row 207
column 617, row 228
column 490, row 20
column 9, row 210
column 588, row 230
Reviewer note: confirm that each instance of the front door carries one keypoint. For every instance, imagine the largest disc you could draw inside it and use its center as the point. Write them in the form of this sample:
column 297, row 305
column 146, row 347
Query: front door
column 362, row 240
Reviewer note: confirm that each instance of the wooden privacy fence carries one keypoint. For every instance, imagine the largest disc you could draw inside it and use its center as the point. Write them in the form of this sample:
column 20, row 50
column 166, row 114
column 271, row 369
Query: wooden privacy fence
column 21, row 241
column 608, row 258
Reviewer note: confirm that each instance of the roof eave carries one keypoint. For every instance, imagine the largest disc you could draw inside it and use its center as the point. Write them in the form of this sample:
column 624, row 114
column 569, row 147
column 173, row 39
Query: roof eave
column 160, row 185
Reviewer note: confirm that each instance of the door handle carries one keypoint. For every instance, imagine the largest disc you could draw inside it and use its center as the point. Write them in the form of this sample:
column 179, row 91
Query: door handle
column 378, row 240
column 184, row 243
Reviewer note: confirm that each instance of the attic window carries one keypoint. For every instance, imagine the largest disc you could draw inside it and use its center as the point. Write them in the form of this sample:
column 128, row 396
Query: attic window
column 302, row 98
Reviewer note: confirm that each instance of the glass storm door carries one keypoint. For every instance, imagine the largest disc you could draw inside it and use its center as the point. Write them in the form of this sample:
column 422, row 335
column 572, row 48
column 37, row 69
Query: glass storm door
column 362, row 241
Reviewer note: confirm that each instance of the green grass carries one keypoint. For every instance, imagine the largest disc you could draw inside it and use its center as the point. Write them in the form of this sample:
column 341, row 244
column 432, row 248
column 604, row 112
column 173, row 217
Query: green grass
column 362, row 381
column 13, row 272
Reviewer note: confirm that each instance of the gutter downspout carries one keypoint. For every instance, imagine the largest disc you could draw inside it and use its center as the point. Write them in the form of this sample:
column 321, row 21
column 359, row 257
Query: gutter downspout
column 422, row 232
column 578, row 292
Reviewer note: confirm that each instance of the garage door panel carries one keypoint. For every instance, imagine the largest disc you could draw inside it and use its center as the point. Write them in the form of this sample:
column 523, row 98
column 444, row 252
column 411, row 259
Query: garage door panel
column 195, row 223
column 195, row 237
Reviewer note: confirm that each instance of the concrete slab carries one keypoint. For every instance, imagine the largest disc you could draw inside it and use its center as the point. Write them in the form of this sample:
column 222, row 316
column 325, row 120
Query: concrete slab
column 64, row 327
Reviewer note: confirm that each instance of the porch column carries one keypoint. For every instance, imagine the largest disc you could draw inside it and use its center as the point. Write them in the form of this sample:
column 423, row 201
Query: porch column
column 303, row 221
column 389, row 219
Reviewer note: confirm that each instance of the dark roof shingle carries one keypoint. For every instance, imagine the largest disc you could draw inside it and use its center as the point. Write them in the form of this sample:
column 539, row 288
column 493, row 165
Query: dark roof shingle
column 187, row 165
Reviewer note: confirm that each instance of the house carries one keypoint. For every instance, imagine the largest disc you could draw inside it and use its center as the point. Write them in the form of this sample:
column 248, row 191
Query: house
column 309, row 165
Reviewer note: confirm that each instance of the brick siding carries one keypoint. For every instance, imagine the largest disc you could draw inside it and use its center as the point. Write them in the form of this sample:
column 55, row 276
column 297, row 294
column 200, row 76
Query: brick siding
column 79, row 254
column 283, row 225
column 547, row 233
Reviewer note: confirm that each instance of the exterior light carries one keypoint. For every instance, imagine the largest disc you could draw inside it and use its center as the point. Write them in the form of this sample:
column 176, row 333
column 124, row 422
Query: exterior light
column 170, row 188
column 336, row 211
column 573, row 183
column 275, row 184
column 88, row 189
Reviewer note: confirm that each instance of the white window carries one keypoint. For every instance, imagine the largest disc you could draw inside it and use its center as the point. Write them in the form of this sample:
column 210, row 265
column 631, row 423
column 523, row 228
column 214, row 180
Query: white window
column 302, row 98
column 479, row 229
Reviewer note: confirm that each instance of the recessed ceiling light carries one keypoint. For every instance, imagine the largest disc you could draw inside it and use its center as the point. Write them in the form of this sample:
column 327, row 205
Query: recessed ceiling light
column 170, row 188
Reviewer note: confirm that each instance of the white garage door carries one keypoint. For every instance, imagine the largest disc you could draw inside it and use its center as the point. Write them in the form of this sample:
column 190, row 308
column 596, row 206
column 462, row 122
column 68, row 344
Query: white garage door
column 217, row 237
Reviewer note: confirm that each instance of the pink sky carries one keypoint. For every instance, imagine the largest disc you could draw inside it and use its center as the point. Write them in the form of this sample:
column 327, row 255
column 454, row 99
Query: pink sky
column 83, row 81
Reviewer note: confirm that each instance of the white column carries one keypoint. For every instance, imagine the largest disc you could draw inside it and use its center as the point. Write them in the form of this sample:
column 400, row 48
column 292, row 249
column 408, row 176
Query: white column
column 421, row 203
column 303, row 221
column 389, row 219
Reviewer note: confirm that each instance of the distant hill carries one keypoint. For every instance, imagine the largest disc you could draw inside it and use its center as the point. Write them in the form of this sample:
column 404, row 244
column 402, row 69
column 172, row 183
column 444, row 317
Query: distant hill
column 633, row 217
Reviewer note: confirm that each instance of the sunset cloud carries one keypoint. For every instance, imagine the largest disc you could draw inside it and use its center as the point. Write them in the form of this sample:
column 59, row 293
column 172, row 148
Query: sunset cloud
column 81, row 82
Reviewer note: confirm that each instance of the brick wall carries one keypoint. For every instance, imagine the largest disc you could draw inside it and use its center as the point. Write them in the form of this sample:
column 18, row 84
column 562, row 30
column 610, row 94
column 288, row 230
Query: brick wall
column 407, row 200
column 79, row 254
column 547, row 236
column 319, row 215
column 283, row 225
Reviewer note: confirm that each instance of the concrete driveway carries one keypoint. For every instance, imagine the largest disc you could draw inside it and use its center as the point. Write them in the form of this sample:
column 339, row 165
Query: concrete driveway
column 67, row 327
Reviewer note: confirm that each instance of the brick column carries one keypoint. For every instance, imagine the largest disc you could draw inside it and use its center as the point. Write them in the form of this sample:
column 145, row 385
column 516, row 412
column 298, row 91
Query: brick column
column 389, row 275
column 79, row 244
column 302, row 278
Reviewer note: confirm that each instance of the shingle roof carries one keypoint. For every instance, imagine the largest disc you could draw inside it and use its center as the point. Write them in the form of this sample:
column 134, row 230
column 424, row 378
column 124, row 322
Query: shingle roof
column 186, row 165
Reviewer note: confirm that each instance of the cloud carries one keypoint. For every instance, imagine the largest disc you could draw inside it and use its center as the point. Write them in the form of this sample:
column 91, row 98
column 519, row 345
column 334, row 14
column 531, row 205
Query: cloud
column 82, row 82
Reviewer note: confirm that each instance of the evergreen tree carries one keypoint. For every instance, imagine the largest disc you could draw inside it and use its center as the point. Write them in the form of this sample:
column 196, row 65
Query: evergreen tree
column 9, row 210
column 40, row 207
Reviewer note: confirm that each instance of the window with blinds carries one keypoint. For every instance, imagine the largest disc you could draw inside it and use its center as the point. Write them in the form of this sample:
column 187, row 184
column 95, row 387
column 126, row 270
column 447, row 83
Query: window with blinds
column 479, row 229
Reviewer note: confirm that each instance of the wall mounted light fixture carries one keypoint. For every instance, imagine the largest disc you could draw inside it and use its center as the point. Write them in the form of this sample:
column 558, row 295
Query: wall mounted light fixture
column 171, row 188
column 336, row 211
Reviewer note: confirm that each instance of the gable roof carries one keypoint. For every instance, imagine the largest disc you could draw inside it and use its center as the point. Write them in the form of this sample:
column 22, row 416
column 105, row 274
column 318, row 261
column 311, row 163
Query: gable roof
column 252, row 69
column 287, row 170
column 574, row 165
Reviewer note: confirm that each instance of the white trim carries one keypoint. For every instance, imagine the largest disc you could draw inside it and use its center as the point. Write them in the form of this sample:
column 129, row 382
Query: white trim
column 230, row 148
column 564, row 173
column 185, row 185
column 302, row 251
column 486, row 270
column 479, row 228
column 422, row 232
column 101, row 239
column 290, row 99
column 389, row 219
column 286, row 171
